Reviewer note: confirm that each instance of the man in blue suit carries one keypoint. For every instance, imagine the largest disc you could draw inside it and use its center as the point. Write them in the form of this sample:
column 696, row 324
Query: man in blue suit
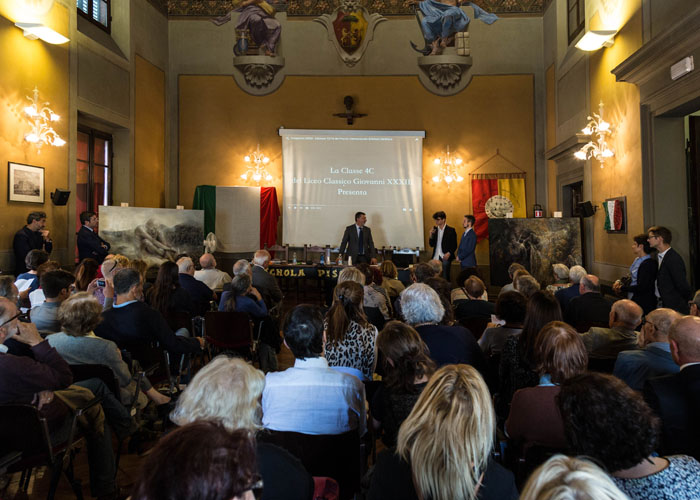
column 654, row 359
column 466, row 252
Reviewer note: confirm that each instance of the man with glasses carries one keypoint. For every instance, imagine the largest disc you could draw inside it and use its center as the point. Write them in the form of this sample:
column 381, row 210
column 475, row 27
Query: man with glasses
column 443, row 239
column 654, row 358
column 672, row 286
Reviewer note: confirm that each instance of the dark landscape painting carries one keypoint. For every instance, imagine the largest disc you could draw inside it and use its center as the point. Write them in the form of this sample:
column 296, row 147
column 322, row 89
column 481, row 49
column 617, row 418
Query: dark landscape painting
column 534, row 243
column 153, row 234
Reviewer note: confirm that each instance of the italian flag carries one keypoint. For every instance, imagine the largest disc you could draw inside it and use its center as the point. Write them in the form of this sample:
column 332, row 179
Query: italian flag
column 613, row 215
column 484, row 186
column 244, row 219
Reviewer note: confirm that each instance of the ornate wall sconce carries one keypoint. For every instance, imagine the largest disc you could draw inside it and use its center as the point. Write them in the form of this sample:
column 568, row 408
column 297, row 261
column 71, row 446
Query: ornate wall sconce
column 41, row 117
column 598, row 129
column 448, row 168
column 256, row 162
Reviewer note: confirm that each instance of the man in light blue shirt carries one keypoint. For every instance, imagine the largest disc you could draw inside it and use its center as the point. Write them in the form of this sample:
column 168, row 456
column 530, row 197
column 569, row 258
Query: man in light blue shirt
column 310, row 397
column 654, row 359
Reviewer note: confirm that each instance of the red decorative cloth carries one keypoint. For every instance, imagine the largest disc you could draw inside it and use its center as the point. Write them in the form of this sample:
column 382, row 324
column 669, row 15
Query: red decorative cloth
column 269, row 216
column 482, row 190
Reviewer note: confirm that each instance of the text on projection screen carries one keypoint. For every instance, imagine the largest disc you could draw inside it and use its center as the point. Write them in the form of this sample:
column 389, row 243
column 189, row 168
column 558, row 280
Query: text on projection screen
column 331, row 174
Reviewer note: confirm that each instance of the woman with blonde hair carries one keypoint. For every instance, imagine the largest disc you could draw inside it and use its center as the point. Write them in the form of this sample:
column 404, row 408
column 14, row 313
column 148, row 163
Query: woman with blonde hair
column 444, row 446
column 390, row 281
column 350, row 337
column 228, row 391
column 568, row 478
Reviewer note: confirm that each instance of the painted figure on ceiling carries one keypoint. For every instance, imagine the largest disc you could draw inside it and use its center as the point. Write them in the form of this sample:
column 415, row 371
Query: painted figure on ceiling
column 441, row 20
column 257, row 17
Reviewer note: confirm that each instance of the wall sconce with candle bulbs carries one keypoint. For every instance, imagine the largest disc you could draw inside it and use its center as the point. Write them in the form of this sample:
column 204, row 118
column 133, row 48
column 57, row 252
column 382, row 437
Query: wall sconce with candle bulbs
column 597, row 147
column 41, row 117
column 448, row 168
column 256, row 162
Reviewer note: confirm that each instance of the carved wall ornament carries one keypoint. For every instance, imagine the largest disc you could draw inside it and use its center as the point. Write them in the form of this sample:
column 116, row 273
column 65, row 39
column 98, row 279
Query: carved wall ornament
column 350, row 28
column 260, row 73
column 445, row 75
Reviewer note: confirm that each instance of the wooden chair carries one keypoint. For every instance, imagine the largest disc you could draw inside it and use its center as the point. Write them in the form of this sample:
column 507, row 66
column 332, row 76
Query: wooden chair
column 229, row 331
column 339, row 456
column 23, row 429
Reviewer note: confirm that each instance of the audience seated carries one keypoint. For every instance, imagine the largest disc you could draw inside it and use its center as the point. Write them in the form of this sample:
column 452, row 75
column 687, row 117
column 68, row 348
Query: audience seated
column 350, row 339
column 447, row 344
column 443, row 288
column 568, row 478
column 57, row 287
column 85, row 273
column 8, row 289
column 517, row 368
column 201, row 461
column 29, row 281
column 474, row 306
column 33, row 381
column 607, row 343
column 590, row 308
column 105, row 293
column 408, row 367
column 565, row 295
column 654, row 359
column 214, row 278
column 131, row 321
column 263, row 281
column 606, row 420
column 509, row 287
column 228, row 391
column 167, row 295
column 676, row 398
column 200, row 293
column 534, row 418
column 310, row 397
column 372, row 298
column 423, row 270
column 526, row 284
column 444, row 446
column 695, row 304
column 242, row 297
column 436, row 265
column 37, row 297
column 372, row 288
column 460, row 293
column 561, row 278
column 377, row 280
column 510, row 307
column 78, row 345
column 389, row 279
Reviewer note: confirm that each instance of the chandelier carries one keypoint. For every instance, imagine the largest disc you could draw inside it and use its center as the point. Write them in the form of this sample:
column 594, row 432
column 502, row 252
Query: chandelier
column 597, row 147
column 448, row 168
column 41, row 117
column 255, row 162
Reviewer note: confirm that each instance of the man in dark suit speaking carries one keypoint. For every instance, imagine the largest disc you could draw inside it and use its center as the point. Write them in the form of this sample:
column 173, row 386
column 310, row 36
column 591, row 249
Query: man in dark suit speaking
column 443, row 239
column 90, row 245
column 357, row 240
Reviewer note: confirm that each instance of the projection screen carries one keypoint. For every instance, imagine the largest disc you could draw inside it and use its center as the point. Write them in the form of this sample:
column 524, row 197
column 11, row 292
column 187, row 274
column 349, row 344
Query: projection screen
column 331, row 174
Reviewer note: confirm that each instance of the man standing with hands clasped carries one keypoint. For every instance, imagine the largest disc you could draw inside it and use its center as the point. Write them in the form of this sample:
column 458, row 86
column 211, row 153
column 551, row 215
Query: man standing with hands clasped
column 33, row 236
column 466, row 253
column 358, row 241
column 443, row 239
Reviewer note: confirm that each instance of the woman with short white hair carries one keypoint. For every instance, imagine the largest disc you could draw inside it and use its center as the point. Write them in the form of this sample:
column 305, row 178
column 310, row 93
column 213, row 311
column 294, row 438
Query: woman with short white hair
column 422, row 309
column 229, row 390
column 444, row 446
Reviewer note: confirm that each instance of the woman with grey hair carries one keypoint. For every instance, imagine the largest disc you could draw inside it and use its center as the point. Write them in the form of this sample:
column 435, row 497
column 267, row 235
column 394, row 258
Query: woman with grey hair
column 561, row 277
column 423, row 310
column 228, row 391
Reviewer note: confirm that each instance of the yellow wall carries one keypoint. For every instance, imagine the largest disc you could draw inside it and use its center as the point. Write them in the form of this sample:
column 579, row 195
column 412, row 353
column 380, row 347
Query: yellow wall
column 149, row 132
column 26, row 64
column 219, row 124
column 551, row 137
column 622, row 175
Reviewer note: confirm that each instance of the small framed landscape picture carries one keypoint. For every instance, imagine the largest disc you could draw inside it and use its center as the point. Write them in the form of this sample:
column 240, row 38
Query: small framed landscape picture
column 25, row 183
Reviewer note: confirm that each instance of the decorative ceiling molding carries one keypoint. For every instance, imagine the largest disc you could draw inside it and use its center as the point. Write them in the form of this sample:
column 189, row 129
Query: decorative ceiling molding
column 215, row 8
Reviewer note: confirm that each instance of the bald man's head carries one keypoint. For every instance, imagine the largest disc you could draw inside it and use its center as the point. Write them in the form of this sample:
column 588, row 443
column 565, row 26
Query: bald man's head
column 589, row 283
column 661, row 319
column 626, row 314
column 207, row 261
column 685, row 340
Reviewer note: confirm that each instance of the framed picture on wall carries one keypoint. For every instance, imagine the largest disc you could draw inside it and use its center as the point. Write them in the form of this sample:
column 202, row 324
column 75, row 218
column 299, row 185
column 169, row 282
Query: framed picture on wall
column 25, row 183
column 615, row 210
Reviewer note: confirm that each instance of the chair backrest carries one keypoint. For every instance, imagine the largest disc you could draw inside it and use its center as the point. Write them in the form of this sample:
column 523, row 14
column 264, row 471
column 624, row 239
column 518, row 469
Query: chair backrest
column 475, row 324
column 103, row 372
column 337, row 456
column 179, row 319
column 23, row 429
column 228, row 329
column 375, row 316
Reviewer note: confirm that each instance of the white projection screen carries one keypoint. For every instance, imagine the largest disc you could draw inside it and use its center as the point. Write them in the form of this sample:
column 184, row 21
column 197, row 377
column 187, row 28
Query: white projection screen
column 331, row 174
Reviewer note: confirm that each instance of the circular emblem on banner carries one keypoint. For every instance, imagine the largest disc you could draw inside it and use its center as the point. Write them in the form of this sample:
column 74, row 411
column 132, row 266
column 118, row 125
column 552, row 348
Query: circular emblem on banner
column 498, row 206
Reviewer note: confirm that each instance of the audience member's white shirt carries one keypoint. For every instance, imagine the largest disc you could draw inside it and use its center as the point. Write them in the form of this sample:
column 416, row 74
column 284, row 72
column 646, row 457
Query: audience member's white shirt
column 312, row 398
column 36, row 298
column 213, row 278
